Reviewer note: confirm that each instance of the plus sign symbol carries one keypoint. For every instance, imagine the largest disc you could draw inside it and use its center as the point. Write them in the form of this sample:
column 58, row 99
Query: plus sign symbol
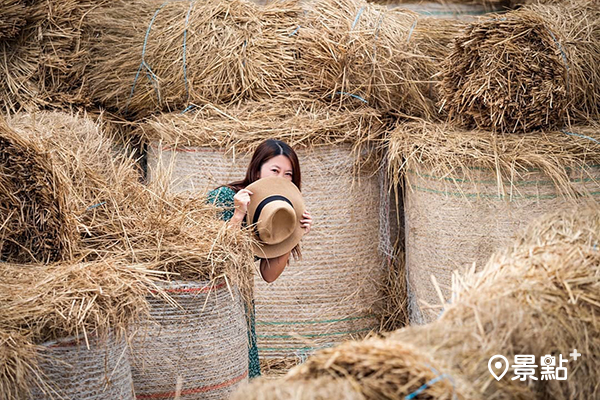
column 575, row 354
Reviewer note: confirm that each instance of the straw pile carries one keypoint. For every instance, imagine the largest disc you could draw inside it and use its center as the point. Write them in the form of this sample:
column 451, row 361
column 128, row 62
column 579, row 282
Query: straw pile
column 149, row 56
column 47, row 302
column 355, row 51
column 534, row 300
column 469, row 192
column 528, row 69
column 293, row 119
column 112, row 214
column 12, row 18
column 36, row 223
column 44, row 64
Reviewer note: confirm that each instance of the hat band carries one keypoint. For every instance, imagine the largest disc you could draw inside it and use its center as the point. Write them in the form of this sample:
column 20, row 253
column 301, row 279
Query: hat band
column 262, row 205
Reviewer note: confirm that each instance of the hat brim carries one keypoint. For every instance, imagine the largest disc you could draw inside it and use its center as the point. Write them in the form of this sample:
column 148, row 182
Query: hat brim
column 264, row 188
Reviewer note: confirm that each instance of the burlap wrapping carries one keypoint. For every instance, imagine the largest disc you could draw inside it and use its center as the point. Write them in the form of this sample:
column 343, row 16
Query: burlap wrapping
column 455, row 221
column 198, row 350
column 463, row 12
column 72, row 371
column 329, row 295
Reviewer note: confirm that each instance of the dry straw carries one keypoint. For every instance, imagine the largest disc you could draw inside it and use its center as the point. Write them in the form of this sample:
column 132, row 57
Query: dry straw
column 12, row 18
column 447, row 151
column 43, row 65
column 114, row 214
column 359, row 52
column 538, row 300
column 48, row 302
column 527, row 69
column 294, row 119
column 150, row 55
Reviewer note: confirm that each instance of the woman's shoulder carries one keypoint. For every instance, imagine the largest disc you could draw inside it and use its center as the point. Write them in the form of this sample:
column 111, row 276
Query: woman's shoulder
column 220, row 195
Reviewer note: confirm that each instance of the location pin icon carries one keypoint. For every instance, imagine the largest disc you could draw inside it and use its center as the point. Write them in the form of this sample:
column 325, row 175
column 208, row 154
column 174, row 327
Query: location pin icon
column 495, row 367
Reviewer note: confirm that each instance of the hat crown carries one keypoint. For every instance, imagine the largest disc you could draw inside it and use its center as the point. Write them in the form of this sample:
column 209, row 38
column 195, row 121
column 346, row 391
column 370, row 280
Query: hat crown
column 276, row 222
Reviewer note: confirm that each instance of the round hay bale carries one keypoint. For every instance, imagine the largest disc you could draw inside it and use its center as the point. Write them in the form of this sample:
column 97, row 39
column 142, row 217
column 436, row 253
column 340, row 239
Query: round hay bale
column 74, row 370
column 533, row 68
column 329, row 295
column 318, row 389
column 460, row 207
column 196, row 348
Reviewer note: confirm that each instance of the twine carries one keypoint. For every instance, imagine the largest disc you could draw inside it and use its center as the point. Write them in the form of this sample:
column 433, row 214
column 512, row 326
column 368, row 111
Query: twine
column 149, row 73
column 95, row 206
column 438, row 378
column 187, row 20
column 357, row 17
column 353, row 95
column 580, row 135
column 414, row 25
column 564, row 56
column 295, row 31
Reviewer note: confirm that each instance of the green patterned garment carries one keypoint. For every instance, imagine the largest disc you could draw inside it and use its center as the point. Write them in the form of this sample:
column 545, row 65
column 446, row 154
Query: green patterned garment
column 223, row 197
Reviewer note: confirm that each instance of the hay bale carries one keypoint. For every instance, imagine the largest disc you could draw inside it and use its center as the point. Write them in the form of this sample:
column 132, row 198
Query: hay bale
column 41, row 303
column 535, row 300
column 469, row 193
column 353, row 51
column 44, row 64
column 220, row 51
column 302, row 310
column 197, row 348
column 534, row 68
column 97, row 371
column 37, row 224
column 12, row 18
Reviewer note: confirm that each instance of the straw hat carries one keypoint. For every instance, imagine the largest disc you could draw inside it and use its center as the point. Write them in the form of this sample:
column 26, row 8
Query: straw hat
column 275, row 210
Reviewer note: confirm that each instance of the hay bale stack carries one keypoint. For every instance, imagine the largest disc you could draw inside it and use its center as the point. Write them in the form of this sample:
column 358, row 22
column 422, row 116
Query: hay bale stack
column 44, row 64
column 530, row 300
column 92, row 303
column 199, row 347
column 222, row 51
column 470, row 192
column 12, row 18
column 212, row 148
column 353, row 51
column 529, row 69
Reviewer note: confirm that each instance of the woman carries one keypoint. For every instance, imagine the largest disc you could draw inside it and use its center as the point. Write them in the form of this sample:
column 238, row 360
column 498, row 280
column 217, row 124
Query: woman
column 271, row 158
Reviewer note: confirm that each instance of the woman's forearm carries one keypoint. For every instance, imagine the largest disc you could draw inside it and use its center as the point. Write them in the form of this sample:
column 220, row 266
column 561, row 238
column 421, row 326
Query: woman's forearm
column 271, row 268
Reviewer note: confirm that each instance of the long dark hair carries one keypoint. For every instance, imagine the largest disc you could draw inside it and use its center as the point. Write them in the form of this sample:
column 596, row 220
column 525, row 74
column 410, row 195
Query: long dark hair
column 265, row 151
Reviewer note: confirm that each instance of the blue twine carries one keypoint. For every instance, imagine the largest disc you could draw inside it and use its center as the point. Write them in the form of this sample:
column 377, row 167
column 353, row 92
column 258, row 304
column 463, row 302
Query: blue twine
column 581, row 136
column 352, row 95
column 357, row 17
column 143, row 63
column 414, row 25
column 188, row 108
column 295, row 31
column 431, row 382
column 187, row 20
column 95, row 206
column 564, row 56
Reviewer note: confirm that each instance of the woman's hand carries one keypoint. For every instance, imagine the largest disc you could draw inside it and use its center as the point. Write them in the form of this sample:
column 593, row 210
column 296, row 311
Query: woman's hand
column 240, row 203
column 306, row 222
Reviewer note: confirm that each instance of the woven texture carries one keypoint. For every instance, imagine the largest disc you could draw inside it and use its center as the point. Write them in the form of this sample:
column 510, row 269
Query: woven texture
column 74, row 371
column 198, row 350
column 462, row 12
column 329, row 295
column 455, row 221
